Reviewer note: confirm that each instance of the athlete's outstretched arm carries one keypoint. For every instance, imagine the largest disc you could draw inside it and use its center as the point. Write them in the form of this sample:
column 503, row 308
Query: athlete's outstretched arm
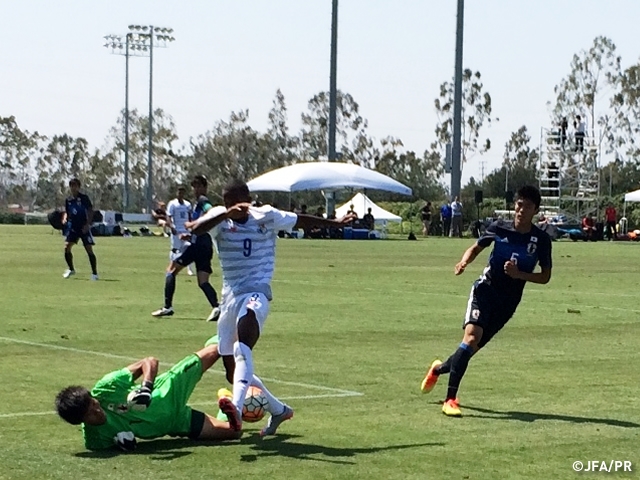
column 542, row 277
column 147, row 368
column 469, row 256
column 206, row 223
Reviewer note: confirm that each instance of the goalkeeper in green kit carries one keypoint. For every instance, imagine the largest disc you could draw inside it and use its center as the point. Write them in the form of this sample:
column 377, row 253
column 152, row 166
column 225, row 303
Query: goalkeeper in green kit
column 117, row 410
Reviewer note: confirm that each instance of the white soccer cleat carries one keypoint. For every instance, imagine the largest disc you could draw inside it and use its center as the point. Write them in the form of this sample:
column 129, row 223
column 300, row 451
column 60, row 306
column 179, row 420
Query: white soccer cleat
column 214, row 315
column 275, row 420
column 190, row 272
column 163, row 312
column 68, row 273
column 94, row 277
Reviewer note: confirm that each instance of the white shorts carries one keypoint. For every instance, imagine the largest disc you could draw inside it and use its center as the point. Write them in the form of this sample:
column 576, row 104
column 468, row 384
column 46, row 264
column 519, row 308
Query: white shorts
column 177, row 247
column 234, row 308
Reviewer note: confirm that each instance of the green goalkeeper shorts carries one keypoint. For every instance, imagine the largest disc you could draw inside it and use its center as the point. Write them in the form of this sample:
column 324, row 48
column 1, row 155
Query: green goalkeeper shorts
column 174, row 388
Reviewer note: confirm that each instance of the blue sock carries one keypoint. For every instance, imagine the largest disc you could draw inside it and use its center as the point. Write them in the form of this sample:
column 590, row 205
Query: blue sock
column 210, row 293
column 459, row 362
column 169, row 289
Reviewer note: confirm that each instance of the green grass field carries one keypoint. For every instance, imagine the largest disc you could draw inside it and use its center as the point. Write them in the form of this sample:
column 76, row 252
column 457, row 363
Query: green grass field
column 352, row 328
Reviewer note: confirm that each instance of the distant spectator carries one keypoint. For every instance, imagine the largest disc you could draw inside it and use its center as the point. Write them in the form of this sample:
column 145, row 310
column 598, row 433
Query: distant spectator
column 542, row 220
column 303, row 210
column 425, row 216
column 445, row 218
column 580, row 133
column 352, row 211
column 564, row 125
column 159, row 214
column 368, row 221
column 317, row 232
column 456, row 218
column 611, row 220
column 588, row 228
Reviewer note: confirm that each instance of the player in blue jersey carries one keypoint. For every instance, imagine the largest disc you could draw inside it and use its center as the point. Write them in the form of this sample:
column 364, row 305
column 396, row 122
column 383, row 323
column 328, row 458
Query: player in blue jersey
column 518, row 247
column 200, row 252
column 77, row 221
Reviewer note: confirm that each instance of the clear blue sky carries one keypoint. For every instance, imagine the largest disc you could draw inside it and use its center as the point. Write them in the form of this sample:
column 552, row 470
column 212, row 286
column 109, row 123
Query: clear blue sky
column 231, row 55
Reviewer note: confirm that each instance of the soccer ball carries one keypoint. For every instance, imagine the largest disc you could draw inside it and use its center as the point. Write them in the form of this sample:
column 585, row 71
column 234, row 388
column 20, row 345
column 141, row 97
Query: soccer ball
column 255, row 404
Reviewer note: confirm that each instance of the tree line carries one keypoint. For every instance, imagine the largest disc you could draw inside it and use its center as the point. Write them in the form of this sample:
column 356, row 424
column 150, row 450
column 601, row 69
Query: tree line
column 34, row 168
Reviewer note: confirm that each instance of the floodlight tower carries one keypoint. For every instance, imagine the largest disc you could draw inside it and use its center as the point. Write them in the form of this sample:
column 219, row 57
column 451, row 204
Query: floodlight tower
column 155, row 37
column 140, row 41
column 129, row 45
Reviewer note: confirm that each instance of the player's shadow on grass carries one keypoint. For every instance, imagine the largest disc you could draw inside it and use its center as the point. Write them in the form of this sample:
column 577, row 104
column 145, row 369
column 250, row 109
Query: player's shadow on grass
column 282, row 446
column 532, row 417
column 158, row 449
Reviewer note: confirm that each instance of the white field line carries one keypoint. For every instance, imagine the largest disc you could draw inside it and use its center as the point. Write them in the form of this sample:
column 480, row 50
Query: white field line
column 336, row 392
column 193, row 404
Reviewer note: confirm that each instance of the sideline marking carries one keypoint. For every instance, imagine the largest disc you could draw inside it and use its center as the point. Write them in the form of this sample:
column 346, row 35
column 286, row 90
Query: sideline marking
column 337, row 392
column 194, row 404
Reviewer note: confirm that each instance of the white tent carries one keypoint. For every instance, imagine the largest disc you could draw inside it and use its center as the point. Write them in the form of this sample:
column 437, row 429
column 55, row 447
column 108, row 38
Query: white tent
column 361, row 204
column 324, row 176
column 628, row 197
column 632, row 196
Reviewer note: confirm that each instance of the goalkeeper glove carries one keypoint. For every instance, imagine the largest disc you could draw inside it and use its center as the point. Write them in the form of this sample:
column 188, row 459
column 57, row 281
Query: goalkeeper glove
column 140, row 398
column 125, row 441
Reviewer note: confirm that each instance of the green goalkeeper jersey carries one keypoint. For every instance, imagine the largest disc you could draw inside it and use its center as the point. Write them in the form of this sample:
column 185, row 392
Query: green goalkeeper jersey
column 166, row 415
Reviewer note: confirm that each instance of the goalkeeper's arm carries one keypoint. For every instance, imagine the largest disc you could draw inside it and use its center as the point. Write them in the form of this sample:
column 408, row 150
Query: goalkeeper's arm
column 147, row 368
column 140, row 398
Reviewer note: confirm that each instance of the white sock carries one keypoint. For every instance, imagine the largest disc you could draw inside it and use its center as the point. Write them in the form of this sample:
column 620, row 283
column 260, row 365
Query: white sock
column 275, row 407
column 243, row 373
column 189, row 270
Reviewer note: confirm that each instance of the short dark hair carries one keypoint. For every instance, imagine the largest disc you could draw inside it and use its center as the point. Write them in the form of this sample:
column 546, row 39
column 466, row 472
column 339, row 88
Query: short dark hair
column 200, row 179
column 237, row 186
column 182, row 187
column 74, row 180
column 531, row 193
column 72, row 404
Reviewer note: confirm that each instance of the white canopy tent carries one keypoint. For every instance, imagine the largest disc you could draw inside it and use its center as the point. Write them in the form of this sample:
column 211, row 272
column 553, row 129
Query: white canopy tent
column 632, row 196
column 361, row 204
column 326, row 176
column 629, row 197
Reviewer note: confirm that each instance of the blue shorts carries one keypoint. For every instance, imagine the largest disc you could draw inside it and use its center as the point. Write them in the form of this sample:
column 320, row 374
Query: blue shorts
column 488, row 309
column 72, row 236
column 200, row 253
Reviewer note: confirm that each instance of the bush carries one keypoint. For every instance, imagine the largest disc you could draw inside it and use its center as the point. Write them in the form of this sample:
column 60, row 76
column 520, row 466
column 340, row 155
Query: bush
column 10, row 218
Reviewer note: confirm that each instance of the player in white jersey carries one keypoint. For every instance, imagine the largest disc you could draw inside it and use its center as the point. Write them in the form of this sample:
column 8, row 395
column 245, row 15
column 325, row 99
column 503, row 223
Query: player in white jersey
column 245, row 238
column 178, row 214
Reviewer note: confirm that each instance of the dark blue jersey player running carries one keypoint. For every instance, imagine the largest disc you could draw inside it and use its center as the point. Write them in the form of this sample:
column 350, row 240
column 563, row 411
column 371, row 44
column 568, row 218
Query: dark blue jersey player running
column 518, row 247
column 199, row 252
column 77, row 221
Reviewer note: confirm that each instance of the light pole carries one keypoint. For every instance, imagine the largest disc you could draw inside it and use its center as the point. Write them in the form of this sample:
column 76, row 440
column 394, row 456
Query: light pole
column 154, row 37
column 140, row 42
column 133, row 45
column 333, row 94
column 456, row 172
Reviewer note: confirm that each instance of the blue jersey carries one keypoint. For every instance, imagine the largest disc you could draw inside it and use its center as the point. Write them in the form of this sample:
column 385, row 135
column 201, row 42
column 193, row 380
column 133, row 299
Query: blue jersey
column 77, row 209
column 203, row 205
column 525, row 249
column 445, row 211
